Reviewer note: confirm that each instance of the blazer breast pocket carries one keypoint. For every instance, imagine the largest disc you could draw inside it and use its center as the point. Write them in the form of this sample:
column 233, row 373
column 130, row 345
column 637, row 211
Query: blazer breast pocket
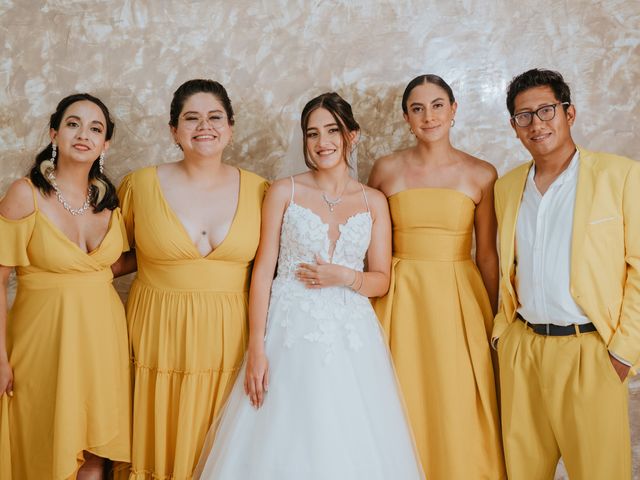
column 610, row 219
column 605, row 236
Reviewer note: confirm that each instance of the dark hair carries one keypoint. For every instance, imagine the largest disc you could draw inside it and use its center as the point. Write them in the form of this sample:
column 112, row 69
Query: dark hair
column 421, row 80
column 340, row 110
column 103, row 193
column 198, row 85
column 537, row 78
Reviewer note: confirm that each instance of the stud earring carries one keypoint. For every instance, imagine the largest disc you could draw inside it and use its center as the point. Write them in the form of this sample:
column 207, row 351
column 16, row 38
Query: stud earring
column 101, row 163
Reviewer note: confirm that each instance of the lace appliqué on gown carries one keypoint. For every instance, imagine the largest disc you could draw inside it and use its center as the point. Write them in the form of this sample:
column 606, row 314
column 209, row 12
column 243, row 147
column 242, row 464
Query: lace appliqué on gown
column 332, row 315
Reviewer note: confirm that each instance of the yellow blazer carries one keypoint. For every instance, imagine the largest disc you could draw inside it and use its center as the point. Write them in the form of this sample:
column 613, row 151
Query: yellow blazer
column 605, row 248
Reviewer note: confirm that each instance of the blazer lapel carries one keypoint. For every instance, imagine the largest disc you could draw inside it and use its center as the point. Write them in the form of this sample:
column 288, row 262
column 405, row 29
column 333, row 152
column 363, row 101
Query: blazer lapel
column 509, row 220
column 584, row 198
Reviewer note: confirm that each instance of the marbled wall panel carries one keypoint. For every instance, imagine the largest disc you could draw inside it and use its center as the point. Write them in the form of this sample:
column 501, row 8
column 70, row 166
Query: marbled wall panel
column 273, row 55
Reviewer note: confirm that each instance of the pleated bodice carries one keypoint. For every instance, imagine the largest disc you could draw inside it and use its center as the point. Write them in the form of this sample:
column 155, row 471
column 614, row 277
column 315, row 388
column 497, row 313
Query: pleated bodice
column 440, row 230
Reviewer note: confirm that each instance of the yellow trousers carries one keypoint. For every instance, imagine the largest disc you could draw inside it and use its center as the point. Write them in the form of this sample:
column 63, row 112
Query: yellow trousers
column 562, row 397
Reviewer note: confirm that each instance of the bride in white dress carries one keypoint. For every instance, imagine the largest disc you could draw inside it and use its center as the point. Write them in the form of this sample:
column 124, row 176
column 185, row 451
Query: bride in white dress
column 323, row 400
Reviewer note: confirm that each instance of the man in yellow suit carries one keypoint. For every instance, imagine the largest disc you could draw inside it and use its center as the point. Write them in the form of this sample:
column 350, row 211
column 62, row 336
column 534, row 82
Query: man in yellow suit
column 568, row 327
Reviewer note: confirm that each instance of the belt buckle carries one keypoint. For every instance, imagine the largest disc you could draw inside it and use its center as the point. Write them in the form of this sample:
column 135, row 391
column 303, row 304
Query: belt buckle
column 548, row 329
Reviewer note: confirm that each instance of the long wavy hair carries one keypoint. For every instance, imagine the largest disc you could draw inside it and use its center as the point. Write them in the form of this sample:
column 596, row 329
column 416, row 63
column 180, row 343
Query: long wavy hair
column 103, row 192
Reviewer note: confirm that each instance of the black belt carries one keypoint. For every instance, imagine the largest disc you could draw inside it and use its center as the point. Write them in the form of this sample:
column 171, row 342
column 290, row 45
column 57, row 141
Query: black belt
column 552, row 330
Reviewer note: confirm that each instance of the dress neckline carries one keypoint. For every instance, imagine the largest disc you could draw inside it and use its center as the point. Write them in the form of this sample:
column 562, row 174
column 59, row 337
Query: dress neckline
column 340, row 226
column 64, row 236
column 58, row 231
column 183, row 230
column 434, row 189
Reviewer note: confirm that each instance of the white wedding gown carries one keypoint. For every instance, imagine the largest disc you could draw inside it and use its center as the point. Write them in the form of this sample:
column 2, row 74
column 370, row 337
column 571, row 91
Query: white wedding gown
column 333, row 411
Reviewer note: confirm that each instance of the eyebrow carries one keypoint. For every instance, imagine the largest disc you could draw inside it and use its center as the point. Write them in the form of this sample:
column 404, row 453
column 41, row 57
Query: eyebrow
column 75, row 117
column 533, row 109
column 334, row 124
column 420, row 104
column 198, row 113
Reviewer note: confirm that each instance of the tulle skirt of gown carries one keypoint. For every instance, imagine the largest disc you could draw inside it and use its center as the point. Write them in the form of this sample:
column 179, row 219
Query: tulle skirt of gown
column 332, row 411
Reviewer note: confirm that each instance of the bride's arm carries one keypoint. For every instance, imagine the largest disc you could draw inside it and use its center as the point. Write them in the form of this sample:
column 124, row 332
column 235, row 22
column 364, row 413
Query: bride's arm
column 256, row 380
column 374, row 282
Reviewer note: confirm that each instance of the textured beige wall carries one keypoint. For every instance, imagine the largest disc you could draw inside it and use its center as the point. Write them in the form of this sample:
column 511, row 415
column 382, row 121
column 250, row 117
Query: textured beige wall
column 273, row 55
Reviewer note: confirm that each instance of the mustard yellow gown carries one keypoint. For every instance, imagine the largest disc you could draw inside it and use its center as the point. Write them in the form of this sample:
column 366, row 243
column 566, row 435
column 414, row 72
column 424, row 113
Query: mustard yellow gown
column 187, row 318
column 437, row 318
column 67, row 345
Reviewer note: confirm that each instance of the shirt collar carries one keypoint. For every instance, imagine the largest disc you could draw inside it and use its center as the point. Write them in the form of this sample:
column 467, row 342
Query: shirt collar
column 569, row 174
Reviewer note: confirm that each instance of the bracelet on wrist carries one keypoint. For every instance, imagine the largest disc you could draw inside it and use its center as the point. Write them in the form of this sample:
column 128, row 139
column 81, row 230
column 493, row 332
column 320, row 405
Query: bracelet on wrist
column 360, row 284
column 355, row 277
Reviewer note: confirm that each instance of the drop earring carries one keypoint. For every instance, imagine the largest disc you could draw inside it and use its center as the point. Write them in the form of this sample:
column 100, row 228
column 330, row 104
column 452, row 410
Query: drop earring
column 54, row 152
column 101, row 163
column 453, row 122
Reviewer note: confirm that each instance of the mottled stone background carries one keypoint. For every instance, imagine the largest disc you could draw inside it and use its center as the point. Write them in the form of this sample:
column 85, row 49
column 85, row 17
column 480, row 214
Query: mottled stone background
column 274, row 55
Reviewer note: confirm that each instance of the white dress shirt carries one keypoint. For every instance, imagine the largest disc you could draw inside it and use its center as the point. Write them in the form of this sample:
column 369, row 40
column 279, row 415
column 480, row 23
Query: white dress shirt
column 543, row 251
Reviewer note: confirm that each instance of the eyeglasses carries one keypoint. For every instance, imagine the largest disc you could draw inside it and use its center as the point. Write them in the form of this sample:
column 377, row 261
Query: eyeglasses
column 544, row 113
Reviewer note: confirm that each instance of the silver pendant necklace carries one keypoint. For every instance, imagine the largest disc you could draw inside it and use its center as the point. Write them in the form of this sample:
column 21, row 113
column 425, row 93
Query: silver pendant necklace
column 331, row 203
column 73, row 211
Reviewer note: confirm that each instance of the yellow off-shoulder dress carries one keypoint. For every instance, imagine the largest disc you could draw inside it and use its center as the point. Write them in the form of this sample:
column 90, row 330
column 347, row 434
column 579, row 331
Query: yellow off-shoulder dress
column 437, row 318
column 67, row 345
column 187, row 318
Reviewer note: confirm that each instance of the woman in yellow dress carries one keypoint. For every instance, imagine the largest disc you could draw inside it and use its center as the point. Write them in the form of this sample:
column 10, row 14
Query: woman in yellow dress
column 64, row 361
column 195, row 226
column 439, row 310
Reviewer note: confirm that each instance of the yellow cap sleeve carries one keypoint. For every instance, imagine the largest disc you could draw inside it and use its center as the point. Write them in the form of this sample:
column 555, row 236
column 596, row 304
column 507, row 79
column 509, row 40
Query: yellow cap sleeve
column 15, row 235
column 123, row 229
column 125, row 196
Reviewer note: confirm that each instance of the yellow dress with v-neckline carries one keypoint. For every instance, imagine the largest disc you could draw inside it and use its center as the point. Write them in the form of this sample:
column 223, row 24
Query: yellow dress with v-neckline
column 187, row 317
column 437, row 318
column 67, row 345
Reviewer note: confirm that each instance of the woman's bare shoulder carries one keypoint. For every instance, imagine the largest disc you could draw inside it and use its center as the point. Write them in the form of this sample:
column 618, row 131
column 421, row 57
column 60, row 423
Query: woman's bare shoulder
column 483, row 171
column 388, row 168
column 18, row 201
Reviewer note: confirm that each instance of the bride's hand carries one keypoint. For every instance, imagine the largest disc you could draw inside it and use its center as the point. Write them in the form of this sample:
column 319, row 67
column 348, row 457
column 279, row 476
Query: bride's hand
column 256, row 379
column 324, row 274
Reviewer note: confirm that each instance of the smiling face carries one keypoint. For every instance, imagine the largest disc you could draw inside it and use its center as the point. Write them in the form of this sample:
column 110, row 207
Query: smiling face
column 81, row 134
column 544, row 138
column 203, row 128
column 324, row 141
column 429, row 112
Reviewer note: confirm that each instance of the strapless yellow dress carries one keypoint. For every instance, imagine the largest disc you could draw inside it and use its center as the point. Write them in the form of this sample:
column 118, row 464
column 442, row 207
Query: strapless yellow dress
column 437, row 319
